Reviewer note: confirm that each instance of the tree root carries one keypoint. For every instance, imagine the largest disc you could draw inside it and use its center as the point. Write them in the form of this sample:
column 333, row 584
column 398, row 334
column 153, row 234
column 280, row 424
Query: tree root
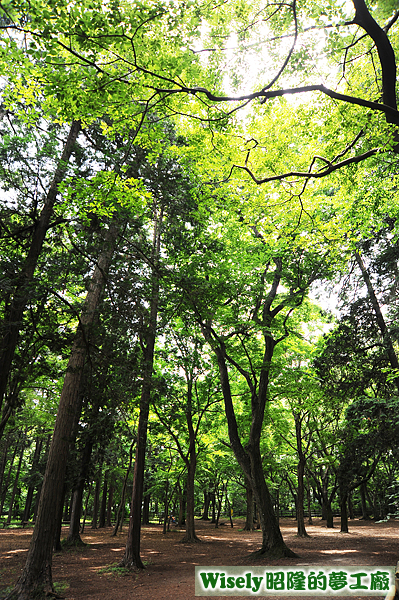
column 190, row 540
column 272, row 553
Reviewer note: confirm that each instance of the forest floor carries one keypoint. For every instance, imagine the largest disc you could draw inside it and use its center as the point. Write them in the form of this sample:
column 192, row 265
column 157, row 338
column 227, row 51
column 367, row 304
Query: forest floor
column 169, row 575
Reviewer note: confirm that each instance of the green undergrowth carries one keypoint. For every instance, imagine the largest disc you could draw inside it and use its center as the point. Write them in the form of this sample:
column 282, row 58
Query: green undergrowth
column 114, row 569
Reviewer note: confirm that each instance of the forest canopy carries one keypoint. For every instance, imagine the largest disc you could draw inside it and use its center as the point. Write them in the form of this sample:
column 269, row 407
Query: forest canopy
column 199, row 266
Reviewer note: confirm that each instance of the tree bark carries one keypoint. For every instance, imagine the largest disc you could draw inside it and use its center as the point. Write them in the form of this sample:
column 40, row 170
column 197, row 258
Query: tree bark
column 249, row 521
column 13, row 319
column 36, row 578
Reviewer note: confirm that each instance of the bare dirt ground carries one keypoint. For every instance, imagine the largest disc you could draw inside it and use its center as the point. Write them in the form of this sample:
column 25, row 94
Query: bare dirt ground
column 169, row 573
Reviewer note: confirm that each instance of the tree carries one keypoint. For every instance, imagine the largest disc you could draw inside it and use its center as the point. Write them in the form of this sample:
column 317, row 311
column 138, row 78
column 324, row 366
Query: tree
column 36, row 578
column 183, row 405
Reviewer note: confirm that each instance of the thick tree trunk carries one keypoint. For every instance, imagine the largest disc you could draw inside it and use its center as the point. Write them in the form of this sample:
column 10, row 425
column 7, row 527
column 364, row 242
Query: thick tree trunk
column 249, row 521
column 344, row 511
column 365, row 512
column 272, row 540
column 330, row 516
column 36, row 578
column 13, row 319
column 182, row 507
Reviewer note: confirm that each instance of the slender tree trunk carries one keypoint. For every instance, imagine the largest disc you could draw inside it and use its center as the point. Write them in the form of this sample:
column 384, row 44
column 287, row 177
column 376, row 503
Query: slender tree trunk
column 31, row 489
column 36, row 578
column 344, row 511
column 16, row 480
column 85, row 510
column 5, row 487
column 132, row 557
column 74, row 538
column 13, row 319
column 119, row 518
column 4, row 460
column 110, row 502
column 301, row 530
column 309, row 503
column 103, row 509
column 350, row 507
column 96, row 501
column 190, row 535
column 250, row 459
column 219, row 500
column 387, row 340
column 207, row 501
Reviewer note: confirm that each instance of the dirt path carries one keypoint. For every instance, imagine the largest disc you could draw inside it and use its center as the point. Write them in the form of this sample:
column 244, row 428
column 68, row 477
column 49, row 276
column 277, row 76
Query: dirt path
column 170, row 565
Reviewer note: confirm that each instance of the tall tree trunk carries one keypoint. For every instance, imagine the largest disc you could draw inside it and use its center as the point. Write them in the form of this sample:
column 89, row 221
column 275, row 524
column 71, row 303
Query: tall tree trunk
column 4, row 460
column 74, row 538
column 300, row 499
column 121, row 509
column 387, row 340
column 36, row 578
column 132, row 551
column 31, row 489
column 103, row 509
column 13, row 319
column 96, row 501
column 190, row 535
column 300, row 514
column 249, row 458
column 16, row 480
column 5, row 487
column 344, row 510
column 110, row 501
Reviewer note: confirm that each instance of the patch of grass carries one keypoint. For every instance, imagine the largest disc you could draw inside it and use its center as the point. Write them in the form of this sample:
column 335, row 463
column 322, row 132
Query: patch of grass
column 114, row 570
column 60, row 586
column 4, row 593
column 148, row 562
